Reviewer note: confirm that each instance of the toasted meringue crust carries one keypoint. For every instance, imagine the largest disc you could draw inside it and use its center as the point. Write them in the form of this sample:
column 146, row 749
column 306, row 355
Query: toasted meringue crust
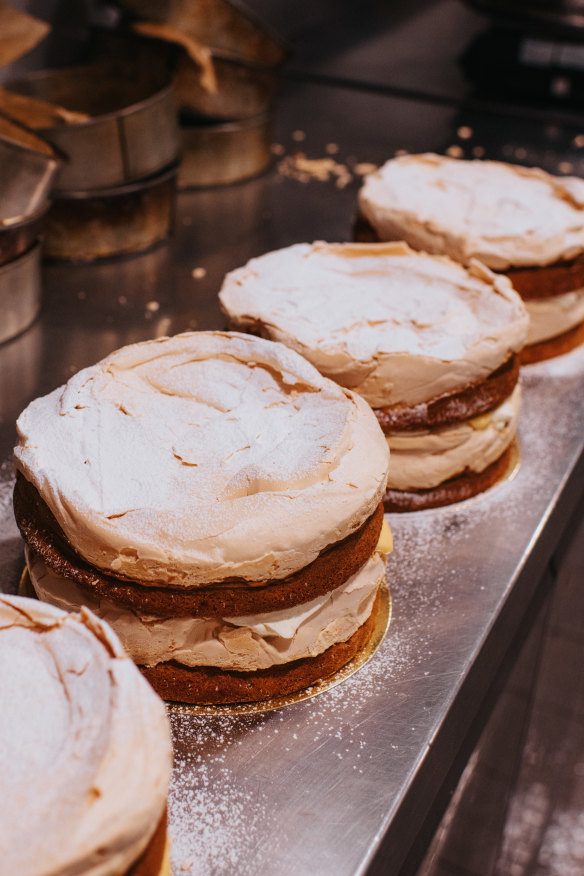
column 85, row 757
column 425, row 459
column 397, row 326
column 203, row 457
column 550, row 317
column 502, row 214
column 243, row 644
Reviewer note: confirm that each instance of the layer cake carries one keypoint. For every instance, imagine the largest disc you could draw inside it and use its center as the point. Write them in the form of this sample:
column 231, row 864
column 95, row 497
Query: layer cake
column 85, row 756
column 519, row 221
column 216, row 500
column 432, row 346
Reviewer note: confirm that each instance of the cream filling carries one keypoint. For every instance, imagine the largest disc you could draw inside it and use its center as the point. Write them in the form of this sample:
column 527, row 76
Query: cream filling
column 206, row 456
column 425, row 459
column 240, row 643
column 550, row 317
column 85, row 758
column 398, row 327
column 502, row 214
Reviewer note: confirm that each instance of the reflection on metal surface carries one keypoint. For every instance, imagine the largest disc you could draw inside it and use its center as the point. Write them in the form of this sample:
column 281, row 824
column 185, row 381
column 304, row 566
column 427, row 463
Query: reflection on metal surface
column 307, row 693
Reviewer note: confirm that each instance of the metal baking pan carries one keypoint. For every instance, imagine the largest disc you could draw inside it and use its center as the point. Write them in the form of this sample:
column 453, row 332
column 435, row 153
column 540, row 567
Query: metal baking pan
column 125, row 219
column 226, row 152
column 16, row 238
column 131, row 132
column 223, row 26
column 243, row 90
column 28, row 165
column 20, row 293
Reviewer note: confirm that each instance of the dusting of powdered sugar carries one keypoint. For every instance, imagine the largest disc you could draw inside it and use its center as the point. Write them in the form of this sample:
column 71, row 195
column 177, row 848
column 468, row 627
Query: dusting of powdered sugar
column 243, row 783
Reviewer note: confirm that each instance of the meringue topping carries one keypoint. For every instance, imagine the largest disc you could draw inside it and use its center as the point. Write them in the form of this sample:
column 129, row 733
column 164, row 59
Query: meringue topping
column 397, row 326
column 502, row 214
column 552, row 316
column 85, row 756
column 202, row 457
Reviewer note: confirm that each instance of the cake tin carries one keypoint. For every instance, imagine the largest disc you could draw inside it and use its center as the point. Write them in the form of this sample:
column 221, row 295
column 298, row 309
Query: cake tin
column 131, row 131
column 20, row 293
column 225, row 152
column 28, row 166
column 90, row 225
column 18, row 237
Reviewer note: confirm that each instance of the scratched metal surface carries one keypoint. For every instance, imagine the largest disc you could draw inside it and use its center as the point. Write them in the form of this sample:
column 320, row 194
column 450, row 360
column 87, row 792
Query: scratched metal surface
column 343, row 781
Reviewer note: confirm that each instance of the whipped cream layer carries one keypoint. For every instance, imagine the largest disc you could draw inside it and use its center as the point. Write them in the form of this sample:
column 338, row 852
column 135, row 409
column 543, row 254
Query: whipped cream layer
column 202, row 457
column 550, row 317
column 422, row 460
column 85, row 757
column 242, row 643
column 397, row 326
column 502, row 214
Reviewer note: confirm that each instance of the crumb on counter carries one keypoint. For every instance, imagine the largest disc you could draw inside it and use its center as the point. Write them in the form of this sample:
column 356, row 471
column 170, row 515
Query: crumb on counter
column 455, row 151
column 363, row 168
column 198, row 273
column 304, row 169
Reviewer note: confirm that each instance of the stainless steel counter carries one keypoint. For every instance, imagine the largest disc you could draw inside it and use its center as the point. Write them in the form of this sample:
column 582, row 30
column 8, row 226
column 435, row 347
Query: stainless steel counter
column 349, row 780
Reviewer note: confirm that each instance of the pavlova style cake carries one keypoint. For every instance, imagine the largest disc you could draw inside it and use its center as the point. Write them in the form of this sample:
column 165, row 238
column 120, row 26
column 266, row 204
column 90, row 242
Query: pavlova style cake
column 85, row 757
column 217, row 501
column 519, row 221
column 432, row 346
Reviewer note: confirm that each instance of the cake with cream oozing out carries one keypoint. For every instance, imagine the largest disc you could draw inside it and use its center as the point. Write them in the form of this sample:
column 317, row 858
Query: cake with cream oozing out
column 520, row 221
column 432, row 346
column 217, row 501
column 85, row 756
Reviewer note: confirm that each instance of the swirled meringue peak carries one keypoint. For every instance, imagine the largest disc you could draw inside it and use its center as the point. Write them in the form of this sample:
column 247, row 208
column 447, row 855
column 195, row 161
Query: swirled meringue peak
column 85, row 757
column 397, row 326
column 504, row 215
column 203, row 457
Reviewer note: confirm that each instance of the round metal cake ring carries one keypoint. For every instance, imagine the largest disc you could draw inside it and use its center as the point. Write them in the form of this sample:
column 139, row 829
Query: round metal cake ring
column 360, row 659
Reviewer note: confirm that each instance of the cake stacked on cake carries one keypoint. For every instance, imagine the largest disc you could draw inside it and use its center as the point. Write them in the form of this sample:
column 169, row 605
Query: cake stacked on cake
column 519, row 221
column 432, row 346
column 219, row 502
column 85, row 756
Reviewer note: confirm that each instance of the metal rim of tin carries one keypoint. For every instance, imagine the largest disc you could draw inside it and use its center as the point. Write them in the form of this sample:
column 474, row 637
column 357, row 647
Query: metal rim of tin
column 160, row 93
column 128, row 188
column 28, row 298
column 22, row 221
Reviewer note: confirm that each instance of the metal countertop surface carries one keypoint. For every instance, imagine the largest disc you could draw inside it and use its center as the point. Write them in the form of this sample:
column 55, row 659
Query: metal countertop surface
column 343, row 782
